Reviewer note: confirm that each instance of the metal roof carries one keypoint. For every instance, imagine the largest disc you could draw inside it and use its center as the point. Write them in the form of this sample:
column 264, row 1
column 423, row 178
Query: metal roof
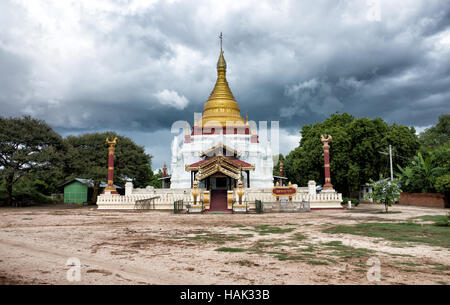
column 88, row 182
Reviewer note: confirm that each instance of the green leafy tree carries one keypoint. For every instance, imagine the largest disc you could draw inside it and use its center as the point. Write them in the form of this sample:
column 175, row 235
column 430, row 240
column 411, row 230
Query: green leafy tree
column 89, row 159
column 155, row 182
column 427, row 173
column 437, row 135
column 354, row 153
column 442, row 184
column 385, row 192
column 276, row 168
column 27, row 147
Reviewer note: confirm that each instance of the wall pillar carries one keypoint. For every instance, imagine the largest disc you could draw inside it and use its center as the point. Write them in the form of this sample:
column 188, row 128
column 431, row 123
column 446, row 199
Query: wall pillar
column 128, row 188
column 110, row 189
column 326, row 158
column 311, row 187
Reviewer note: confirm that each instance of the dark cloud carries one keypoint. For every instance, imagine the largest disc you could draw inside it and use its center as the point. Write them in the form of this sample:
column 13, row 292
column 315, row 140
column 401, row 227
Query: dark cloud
column 138, row 67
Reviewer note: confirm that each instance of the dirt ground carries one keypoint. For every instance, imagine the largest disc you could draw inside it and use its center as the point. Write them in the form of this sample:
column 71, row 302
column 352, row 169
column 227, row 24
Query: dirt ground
column 136, row 247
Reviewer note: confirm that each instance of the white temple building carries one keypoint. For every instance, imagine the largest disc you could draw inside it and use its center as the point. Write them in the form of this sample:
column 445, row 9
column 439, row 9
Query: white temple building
column 221, row 134
column 220, row 150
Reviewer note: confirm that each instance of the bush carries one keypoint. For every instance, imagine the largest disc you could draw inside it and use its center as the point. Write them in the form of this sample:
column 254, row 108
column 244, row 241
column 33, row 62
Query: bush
column 385, row 192
column 345, row 200
column 26, row 197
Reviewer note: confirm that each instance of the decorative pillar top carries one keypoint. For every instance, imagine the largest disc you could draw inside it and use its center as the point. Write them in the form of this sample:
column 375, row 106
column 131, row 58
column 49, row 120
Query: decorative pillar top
column 111, row 143
column 325, row 141
column 164, row 171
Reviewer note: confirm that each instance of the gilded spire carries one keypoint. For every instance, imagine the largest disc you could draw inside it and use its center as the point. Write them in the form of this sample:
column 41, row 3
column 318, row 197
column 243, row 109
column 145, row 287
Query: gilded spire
column 221, row 106
column 221, row 63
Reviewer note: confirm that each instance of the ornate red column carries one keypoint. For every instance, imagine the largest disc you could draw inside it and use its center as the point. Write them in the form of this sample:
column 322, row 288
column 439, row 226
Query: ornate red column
column 281, row 172
column 326, row 157
column 110, row 189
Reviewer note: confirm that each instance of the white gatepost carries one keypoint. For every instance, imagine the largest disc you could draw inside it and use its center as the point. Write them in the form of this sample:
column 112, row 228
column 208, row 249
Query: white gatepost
column 128, row 188
column 311, row 187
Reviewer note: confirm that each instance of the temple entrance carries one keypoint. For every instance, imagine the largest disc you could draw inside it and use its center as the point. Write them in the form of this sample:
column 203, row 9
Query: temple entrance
column 219, row 185
column 218, row 200
column 218, row 173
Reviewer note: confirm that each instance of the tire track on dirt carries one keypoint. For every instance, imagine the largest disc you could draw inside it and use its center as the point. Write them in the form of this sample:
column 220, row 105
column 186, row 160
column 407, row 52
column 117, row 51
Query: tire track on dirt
column 42, row 255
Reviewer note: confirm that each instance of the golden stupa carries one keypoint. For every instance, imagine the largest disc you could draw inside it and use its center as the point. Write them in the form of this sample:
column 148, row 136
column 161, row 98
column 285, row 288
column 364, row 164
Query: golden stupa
column 221, row 108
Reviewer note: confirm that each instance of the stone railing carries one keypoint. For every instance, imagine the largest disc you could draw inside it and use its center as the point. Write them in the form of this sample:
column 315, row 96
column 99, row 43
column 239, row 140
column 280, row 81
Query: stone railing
column 163, row 199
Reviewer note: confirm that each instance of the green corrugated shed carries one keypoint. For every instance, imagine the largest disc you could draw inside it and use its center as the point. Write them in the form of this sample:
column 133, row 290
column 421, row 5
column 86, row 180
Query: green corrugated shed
column 79, row 190
column 75, row 192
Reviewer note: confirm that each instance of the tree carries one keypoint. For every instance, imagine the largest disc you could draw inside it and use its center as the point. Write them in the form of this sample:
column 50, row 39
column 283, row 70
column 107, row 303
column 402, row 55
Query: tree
column 155, row 182
column 428, row 173
column 276, row 168
column 437, row 135
column 355, row 151
column 89, row 159
column 27, row 146
column 385, row 192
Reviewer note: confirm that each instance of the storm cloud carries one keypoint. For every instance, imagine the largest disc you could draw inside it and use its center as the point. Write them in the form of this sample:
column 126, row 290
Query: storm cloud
column 136, row 67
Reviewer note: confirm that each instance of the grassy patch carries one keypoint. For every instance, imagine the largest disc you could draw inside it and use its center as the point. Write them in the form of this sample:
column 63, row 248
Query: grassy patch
column 409, row 270
column 439, row 220
column 433, row 218
column 312, row 262
column 398, row 232
column 408, row 264
column 440, row 267
column 309, row 248
column 336, row 248
column 246, row 262
column 331, row 260
column 224, row 249
column 286, row 257
column 268, row 229
column 388, row 212
column 298, row 237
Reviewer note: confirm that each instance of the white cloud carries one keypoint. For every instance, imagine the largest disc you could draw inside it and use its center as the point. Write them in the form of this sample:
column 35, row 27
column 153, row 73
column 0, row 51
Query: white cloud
column 172, row 99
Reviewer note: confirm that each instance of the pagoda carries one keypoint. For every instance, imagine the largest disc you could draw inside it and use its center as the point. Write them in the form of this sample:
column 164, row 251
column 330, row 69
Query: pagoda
column 222, row 148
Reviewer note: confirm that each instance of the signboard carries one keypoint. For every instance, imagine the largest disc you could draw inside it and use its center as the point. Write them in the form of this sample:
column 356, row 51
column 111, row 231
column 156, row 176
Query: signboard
column 284, row 191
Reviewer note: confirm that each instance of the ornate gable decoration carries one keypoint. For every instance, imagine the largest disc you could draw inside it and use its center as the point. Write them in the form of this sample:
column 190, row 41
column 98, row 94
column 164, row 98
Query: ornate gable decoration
column 218, row 164
column 220, row 150
column 224, row 165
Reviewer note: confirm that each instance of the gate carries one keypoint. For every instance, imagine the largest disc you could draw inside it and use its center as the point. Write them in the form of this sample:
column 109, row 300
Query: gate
column 177, row 206
column 259, row 206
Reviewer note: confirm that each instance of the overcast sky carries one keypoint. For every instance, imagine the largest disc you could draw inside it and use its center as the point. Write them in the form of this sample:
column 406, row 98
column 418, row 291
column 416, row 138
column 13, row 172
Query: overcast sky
column 135, row 67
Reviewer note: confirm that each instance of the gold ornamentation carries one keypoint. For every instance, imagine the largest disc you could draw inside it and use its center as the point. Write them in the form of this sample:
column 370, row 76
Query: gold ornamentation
column 240, row 191
column 221, row 107
column 195, row 191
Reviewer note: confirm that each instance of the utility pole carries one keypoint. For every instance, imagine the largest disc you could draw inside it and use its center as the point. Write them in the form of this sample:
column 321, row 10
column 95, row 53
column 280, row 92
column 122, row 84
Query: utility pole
column 390, row 161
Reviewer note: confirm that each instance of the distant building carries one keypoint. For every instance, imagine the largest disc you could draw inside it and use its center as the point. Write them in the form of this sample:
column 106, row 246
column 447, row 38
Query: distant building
column 368, row 188
column 80, row 190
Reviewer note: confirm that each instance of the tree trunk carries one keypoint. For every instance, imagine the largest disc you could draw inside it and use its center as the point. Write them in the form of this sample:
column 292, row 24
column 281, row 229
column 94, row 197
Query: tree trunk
column 95, row 192
column 386, row 205
column 9, row 189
